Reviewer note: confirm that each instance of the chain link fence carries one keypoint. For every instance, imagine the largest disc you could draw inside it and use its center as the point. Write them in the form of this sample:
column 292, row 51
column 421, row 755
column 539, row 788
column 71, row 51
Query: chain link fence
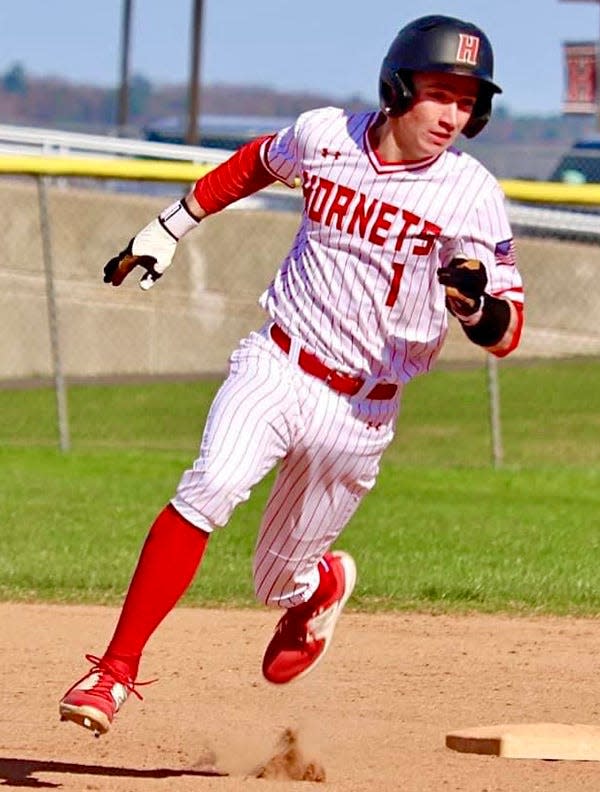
column 554, row 162
column 61, row 326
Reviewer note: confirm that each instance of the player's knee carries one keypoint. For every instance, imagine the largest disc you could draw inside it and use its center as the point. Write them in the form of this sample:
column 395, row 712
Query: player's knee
column 212, row 493
column 217, row 481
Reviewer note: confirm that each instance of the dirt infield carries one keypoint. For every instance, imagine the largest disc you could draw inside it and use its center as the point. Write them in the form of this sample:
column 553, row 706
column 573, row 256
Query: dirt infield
column 373, row 716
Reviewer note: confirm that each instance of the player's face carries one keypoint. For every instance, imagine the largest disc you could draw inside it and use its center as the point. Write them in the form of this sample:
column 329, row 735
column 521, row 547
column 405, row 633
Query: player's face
column 441, row 108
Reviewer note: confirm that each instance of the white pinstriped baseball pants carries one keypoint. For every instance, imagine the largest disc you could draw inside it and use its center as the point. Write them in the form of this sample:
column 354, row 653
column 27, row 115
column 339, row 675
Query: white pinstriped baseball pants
column 267, row 411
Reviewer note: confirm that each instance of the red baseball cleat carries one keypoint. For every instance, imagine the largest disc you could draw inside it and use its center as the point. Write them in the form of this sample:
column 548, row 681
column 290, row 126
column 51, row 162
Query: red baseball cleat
column 94, row 700
column 304, row 633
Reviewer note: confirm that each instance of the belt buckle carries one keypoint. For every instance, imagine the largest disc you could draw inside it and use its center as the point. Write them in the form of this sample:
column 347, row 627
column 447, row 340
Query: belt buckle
column 329, row 378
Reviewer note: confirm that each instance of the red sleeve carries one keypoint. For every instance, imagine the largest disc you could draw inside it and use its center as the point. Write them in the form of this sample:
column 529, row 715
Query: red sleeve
column 239, row 176
column 512, row 336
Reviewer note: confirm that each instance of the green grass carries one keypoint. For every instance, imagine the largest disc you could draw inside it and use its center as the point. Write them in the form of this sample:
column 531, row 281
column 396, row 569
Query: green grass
column 442, row 531
column 549, row 413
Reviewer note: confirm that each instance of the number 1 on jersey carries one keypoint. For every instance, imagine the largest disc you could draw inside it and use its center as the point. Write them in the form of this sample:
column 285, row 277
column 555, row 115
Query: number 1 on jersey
column 395, row 284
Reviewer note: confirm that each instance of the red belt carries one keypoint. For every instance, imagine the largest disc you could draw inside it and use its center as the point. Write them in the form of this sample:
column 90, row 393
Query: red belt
column 337, row 380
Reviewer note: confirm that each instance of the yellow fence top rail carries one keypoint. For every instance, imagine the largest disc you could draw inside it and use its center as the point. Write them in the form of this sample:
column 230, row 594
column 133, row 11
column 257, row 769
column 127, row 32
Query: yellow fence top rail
column 551, row 192
column 168, row 171
column 104, row 168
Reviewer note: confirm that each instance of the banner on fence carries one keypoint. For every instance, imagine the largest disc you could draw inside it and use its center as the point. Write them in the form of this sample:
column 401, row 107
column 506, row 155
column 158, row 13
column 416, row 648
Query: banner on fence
column 581, row 61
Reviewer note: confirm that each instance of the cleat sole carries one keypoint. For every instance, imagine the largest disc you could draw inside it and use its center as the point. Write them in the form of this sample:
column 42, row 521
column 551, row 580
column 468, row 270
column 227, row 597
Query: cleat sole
column 90, row 718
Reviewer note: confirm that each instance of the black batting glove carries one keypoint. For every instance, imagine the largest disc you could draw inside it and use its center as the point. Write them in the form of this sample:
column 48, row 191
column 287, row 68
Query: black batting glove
column 465, row 281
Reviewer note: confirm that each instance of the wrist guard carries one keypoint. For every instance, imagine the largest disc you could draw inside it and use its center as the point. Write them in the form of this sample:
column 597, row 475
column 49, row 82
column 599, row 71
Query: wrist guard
column 177, row 220
column 494, row 318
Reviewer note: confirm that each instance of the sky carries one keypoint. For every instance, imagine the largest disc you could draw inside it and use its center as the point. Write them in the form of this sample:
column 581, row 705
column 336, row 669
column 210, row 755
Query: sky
column 329, row 47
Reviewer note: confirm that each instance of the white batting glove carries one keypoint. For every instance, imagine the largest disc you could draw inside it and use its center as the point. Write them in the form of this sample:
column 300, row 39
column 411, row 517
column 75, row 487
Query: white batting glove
column 153, row 247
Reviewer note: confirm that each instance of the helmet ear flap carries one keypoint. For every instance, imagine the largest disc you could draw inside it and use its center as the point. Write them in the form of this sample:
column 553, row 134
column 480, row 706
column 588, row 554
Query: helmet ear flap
column 395, row 90
column 481, row 114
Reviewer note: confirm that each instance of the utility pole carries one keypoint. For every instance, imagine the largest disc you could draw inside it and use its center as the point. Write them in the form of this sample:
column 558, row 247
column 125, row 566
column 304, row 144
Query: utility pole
column 192, row 134
column 123, row 105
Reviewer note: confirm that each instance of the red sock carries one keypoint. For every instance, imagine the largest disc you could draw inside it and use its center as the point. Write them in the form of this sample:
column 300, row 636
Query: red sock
column 169, row 559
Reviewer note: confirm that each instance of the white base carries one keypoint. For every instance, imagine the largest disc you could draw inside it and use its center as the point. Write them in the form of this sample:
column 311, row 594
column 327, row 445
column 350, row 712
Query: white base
column 574, row 741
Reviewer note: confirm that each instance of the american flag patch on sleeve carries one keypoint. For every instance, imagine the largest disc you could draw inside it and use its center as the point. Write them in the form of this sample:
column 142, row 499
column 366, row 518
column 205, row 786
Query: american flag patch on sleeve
column 505, row 252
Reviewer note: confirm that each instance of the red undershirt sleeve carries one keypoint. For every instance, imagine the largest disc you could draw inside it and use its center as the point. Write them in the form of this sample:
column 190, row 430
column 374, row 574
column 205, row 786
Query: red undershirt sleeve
column 241, row 175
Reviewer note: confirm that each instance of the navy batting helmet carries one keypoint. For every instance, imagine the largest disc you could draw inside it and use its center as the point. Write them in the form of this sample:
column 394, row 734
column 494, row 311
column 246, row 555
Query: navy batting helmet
column 438, row 44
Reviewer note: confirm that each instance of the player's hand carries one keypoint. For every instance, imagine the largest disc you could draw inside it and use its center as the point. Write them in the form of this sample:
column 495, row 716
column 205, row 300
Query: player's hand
column 465, row 281
column 153, row 247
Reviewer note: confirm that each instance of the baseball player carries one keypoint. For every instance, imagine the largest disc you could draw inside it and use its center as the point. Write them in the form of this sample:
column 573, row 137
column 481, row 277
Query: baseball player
column 399, row 229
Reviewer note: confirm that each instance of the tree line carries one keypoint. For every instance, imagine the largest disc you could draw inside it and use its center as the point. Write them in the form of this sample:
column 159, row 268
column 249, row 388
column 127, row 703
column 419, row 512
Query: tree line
column 60, row 103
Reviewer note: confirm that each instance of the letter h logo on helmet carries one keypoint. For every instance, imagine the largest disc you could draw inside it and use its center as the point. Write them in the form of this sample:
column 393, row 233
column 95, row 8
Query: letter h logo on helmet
column 468, row 49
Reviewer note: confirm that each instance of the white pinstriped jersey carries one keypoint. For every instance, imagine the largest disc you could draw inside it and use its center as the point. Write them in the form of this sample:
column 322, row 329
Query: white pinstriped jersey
column 359, row 284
